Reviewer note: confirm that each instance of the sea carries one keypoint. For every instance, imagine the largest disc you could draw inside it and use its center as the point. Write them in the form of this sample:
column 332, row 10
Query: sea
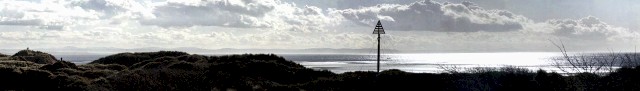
column 418, row 62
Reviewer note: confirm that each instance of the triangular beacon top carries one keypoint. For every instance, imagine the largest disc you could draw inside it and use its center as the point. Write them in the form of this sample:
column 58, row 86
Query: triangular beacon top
column 378, row 29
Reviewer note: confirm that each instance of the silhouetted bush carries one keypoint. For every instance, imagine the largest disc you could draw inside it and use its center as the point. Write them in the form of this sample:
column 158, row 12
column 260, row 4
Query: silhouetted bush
column 20, row 64
column 58, row 65
column 25, row 79
column 159, row 79
column 550, row 81
column 116, row 67
column 624, row 79
column 71, row 83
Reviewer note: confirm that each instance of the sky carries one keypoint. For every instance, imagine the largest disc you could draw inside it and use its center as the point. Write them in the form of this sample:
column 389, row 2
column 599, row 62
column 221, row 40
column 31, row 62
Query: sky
column 423, row 25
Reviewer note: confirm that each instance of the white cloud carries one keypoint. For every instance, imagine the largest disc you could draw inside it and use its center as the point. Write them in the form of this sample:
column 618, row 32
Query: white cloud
column 468, row 17
column 266, row 14
column 231, row 13
column 213, row 24
column 588, row 28
column 43, row 15
column 434, row 16
column 619, row 12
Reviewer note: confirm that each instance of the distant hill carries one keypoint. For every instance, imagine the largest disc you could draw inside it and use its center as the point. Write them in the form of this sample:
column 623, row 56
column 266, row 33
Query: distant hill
column 111, row 50
column 311, row 50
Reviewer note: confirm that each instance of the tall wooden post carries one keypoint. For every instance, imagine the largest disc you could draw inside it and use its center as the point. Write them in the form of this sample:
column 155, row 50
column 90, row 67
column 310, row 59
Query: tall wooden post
column 378, row 53
column 378, row 30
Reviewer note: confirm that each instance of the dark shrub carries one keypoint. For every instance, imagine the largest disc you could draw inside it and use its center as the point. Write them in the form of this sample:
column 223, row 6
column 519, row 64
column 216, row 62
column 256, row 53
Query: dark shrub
column 271, row 67
column 23, row 64
column 159, row 79
column 58, row 65
column 584, row 81
column 395, row 79
column 9, row 78
column 193, row 58
column 154, row 63
column 550, row 81
column 116, row 67
column 623, row 79
column 185, row 66
column 93, row 74
column 25, row 79
column 70, row 83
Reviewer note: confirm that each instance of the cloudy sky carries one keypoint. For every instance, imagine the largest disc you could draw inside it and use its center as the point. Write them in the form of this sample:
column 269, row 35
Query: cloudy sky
column 442, row 25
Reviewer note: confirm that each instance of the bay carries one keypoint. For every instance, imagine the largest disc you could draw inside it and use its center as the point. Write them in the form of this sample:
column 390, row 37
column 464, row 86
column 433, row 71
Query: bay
column 419, row 62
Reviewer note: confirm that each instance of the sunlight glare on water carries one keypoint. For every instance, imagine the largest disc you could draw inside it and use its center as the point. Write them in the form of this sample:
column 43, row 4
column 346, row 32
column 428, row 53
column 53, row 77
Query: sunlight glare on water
column 424, row 62
column 515, row 59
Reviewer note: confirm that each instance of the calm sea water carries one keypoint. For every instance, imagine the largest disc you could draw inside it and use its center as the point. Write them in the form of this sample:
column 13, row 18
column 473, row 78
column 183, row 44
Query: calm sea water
column 80, row 59
column 425, row 62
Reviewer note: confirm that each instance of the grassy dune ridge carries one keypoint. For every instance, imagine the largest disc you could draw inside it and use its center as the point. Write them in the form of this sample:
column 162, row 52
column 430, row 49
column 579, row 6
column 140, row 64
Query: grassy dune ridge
column 172, row 70
column 3, row 55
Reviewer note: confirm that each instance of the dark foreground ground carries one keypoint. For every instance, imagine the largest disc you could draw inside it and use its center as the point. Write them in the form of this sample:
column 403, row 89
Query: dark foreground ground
column 169, row 70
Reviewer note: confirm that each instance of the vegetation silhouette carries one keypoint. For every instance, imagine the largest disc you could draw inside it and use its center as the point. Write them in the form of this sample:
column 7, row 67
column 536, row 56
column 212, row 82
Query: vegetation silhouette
column 128, row 59
column 3, row 55
column 34, row 56
column 172, row 70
